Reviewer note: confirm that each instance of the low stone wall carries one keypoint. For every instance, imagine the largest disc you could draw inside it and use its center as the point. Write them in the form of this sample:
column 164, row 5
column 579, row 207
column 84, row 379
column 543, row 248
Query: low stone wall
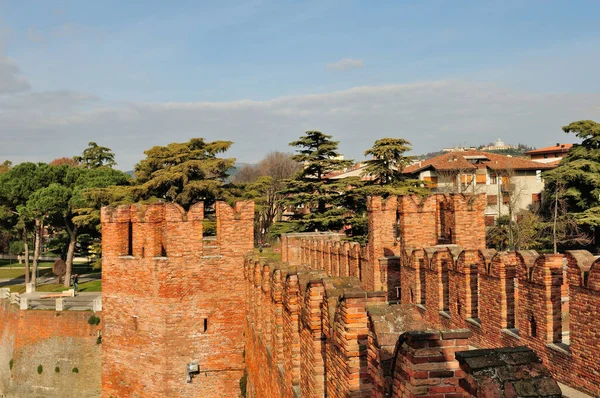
column 48, row 354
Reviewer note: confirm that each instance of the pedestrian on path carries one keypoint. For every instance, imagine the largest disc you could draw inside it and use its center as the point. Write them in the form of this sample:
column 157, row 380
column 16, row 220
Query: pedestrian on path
column 76, row 282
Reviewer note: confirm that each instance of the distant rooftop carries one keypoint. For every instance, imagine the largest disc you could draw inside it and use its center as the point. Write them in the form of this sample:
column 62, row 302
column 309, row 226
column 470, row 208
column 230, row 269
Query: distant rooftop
column 558, row 148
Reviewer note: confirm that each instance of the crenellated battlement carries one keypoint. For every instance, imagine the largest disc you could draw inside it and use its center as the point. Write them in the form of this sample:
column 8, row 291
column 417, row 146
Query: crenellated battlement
column 170, row 298
column 429, row 253
column 165, row 230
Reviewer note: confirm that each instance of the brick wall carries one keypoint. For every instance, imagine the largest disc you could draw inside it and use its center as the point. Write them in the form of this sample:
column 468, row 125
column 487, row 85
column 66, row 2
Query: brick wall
column 503, row 299
column 313, row 335
column 514, row 299
column 63, row 340
column 425, row 364
column 171, row 297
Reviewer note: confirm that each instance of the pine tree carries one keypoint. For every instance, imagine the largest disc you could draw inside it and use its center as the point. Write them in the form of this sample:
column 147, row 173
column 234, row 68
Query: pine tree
column 388, row 161
column 313, row 194
column 185, row 172
column 576, row 180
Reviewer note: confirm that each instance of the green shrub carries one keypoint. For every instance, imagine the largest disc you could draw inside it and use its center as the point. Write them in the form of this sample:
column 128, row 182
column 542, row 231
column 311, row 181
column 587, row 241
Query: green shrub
column 94, row 320
column 57, row 369
column 75, row 370
column 99, row 340
column 40, row 369
column 11, row 363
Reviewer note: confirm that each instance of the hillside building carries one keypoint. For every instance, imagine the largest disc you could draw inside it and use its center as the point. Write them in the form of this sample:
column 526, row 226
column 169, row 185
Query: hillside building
column 550, row 154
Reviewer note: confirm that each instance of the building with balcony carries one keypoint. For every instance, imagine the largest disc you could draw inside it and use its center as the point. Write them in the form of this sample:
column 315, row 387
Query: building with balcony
column 511, row 184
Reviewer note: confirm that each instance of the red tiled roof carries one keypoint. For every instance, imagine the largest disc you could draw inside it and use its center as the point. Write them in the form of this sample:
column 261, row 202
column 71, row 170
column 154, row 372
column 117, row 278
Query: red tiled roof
column 460, row 161
column 561, row 148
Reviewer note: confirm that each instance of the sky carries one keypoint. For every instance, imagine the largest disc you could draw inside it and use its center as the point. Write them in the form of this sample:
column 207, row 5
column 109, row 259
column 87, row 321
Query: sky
column 133, row 74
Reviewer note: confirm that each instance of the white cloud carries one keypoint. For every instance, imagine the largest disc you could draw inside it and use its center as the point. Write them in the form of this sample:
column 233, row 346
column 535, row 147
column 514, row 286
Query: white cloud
column 41, row 126
column 431, row 115
column 346, row 64
column 10, row 79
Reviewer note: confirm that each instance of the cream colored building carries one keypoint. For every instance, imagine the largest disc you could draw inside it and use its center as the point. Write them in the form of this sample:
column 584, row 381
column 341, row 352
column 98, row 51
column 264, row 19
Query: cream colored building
column 511, row 184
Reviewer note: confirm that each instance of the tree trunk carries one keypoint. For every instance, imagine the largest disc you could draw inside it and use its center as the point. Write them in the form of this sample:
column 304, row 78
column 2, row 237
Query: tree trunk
column 39, row 225
column 26, row 249
column 70, row 253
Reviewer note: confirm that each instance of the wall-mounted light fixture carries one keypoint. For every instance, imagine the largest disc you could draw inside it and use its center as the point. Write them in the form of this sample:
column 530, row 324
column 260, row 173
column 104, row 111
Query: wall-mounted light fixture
column 192, row 369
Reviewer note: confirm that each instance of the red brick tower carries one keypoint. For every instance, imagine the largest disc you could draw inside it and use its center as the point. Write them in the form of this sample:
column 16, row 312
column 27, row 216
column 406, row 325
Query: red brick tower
column 173, row 299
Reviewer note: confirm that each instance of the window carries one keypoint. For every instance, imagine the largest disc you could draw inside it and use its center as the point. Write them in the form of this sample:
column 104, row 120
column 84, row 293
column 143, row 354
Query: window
column 474, row 286
column 493, row 179
column 422, row 282
column 130, row 239
column 492, row 200
column 466, row 179
column 511, row 300
column 445, row 287
column 489, row 221
column 432, row 181
column 536, row 197
column 481, row 179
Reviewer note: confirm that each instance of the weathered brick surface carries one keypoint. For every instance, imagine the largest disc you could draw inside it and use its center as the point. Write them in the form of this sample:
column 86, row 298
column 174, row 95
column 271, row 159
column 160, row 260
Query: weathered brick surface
column 514, row 299
column 503, row 299
column 425, row 364
column 506, row 372
column 170, row 298
column 52, row 339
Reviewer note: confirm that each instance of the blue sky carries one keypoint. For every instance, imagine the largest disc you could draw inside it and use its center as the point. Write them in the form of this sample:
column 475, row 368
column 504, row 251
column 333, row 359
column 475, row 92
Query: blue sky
column 138, row 73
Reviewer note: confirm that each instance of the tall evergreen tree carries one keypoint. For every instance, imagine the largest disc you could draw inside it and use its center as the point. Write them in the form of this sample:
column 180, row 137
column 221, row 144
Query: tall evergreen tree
column 314, row 195
column 95, row 156
column 185, row 172
column 576, row 180
column 388, row 161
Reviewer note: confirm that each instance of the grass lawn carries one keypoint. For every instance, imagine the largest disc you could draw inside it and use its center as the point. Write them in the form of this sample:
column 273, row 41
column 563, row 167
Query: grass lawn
column 6, row 264
column 91, row 286
column 6, row 273
column 269, row 253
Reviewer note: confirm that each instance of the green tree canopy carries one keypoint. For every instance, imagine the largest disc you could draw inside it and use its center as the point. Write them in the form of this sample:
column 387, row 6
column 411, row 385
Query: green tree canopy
column 388, row 161
column 319, row 155
column 577, row 178
column 314, row 196
column 17, row 186
column 185, row 172
column 96, row 156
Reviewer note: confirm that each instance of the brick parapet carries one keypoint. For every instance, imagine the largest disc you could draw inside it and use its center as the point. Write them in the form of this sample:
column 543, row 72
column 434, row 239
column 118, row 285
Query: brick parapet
column 425, row 363
column 518, row 295
column 164, row 303
column 506, row 372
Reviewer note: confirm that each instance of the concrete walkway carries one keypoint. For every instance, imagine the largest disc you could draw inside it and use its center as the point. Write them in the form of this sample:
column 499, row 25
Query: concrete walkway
column 83, row 301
